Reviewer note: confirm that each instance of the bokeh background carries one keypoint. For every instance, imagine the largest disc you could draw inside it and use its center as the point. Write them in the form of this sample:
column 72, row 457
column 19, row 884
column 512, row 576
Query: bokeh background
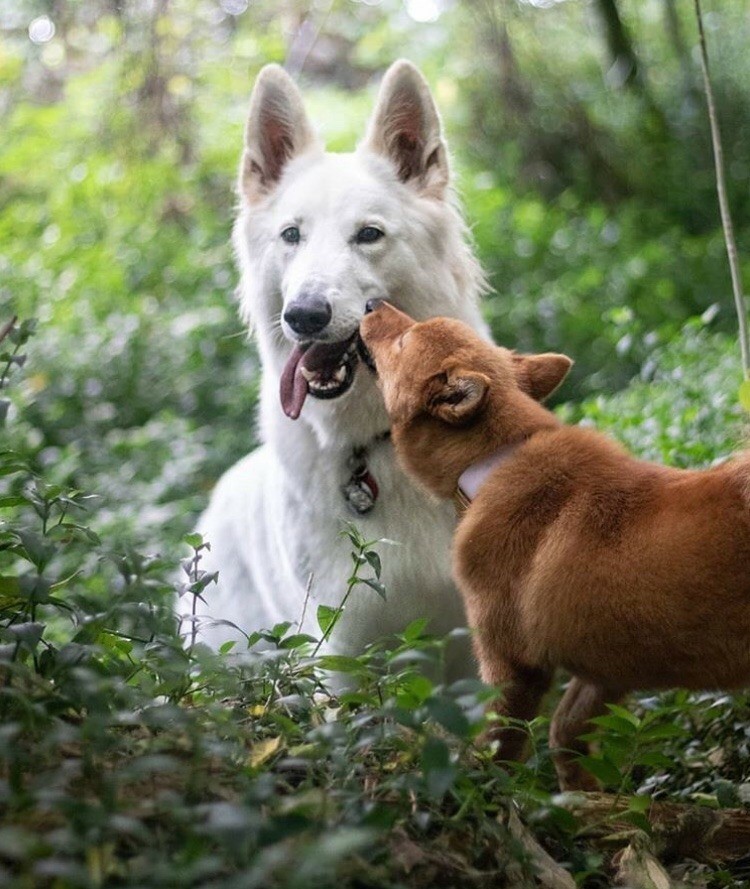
column 581, row 149
column 130, row 756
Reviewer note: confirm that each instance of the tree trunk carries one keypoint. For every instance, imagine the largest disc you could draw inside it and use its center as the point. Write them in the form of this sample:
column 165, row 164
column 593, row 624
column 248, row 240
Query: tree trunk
column 624, row 70
column 680, row 831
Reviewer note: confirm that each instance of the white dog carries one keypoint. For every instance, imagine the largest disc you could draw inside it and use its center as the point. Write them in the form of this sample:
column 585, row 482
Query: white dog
column 318, row 235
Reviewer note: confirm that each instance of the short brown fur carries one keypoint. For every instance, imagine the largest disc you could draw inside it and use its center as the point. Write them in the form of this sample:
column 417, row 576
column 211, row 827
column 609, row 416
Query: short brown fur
column 573, row 554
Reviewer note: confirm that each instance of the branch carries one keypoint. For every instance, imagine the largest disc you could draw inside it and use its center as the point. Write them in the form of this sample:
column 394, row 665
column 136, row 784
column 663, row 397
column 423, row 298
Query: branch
column 721, row 188
column 679, row 830
column 7, row 327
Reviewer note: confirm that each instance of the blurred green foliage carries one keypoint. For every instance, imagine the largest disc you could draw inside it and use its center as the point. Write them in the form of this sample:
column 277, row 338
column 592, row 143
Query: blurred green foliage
column 586, row 170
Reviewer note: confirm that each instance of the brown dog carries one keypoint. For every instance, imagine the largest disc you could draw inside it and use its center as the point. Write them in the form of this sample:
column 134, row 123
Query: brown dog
column 569, row 551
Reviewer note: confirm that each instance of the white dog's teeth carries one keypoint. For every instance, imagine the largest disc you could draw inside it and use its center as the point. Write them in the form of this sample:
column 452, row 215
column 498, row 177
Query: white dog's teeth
column 307, row 374
column 340, row 374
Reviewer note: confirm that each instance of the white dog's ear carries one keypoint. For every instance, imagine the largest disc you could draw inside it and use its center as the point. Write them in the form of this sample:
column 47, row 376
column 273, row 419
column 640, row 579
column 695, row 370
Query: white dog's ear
column 277, row 130
column 405, row 127
column 540, row 375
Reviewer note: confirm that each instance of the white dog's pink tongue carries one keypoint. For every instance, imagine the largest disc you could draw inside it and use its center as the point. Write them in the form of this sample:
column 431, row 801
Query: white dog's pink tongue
column 293, row 388
column 320, row 360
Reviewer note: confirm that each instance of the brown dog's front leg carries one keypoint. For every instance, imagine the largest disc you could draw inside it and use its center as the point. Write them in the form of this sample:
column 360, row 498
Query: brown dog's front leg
column 581, row 701
column 522, row 691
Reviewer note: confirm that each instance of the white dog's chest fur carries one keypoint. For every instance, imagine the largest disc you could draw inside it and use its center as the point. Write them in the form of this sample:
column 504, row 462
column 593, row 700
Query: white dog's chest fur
column 275, row 518
column 271, row 531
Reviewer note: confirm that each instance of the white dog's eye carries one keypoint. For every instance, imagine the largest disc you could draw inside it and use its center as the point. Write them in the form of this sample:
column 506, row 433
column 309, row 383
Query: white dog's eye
column 291, row 235
column 368, row 235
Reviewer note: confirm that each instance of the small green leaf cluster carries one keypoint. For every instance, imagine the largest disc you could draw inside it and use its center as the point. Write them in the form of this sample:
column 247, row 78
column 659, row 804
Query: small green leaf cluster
column 630, row 743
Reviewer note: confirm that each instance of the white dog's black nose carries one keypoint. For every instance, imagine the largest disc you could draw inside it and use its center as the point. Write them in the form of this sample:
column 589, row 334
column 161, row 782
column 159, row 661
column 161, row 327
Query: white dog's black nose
column 308, row 315
column 372, row 304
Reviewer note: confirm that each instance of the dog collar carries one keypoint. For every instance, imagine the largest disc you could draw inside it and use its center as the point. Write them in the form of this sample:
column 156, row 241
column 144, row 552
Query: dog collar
column 361, row 489
column 472, row 478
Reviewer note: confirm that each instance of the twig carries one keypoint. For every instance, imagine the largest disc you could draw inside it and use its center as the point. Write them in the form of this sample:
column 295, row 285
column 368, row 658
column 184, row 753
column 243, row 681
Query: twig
column 359, row 558
column 308, row 591
column 721, row 188
column 306, row 37
column 7, row 327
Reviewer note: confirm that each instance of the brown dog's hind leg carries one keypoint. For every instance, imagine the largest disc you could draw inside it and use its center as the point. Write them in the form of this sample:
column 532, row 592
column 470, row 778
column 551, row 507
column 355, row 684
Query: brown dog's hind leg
column 522, row 691
column 581, row 701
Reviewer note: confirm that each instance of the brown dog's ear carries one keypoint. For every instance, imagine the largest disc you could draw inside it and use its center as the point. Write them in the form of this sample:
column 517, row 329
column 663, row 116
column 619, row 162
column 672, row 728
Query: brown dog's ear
column 539, row 375
column 458, row 396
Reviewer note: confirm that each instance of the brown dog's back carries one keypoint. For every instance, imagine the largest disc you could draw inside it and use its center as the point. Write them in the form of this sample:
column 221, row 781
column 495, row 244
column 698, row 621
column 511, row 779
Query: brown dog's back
column 619, row 570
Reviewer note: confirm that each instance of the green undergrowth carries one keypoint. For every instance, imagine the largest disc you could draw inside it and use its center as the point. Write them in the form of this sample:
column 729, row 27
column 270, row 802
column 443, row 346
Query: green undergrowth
column 130, row 755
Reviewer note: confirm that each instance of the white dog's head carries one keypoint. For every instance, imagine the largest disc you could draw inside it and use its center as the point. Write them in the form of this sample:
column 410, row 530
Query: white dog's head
column 319, row 235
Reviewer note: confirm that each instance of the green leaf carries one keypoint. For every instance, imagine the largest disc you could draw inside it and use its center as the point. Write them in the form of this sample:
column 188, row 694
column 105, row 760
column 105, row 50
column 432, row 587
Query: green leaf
column 279, row 630
column 296, row 640
column 37, row 550
column 12, row 468
column 339, row 663
column 9, row 586
column 726, row 793
column 639, row 803
column 617, row 710
column 356, row 539
column 449, row 715
column 602, row 768
column 655, row 760
column 327, row 617
column 357, row 697
column 414, row 690
column 374, row 559
column 7, row 502
column 374, row 585
column 639, row 820
column 665, row 730
column 615, row 724
column 564, row 820
column 79, row 532
column 438, row 771
column 415, row 630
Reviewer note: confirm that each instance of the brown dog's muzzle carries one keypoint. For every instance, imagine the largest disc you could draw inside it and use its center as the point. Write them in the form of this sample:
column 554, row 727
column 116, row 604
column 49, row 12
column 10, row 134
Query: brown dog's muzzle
column 382, row 325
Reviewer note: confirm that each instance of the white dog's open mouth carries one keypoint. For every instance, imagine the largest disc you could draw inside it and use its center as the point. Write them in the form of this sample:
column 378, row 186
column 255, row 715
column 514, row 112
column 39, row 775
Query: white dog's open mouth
column 324, row 370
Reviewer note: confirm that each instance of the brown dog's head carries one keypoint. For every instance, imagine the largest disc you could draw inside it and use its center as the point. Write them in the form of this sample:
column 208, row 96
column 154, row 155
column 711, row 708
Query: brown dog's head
column 451, row 396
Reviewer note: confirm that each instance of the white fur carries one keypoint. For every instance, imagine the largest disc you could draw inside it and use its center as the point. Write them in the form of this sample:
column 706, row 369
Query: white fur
column 275, row 517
